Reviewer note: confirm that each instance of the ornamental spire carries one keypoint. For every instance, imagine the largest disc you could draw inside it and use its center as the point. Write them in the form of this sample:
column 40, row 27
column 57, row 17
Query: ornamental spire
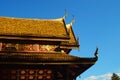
column 70, row 24
column 73, row 20
column 65, row 15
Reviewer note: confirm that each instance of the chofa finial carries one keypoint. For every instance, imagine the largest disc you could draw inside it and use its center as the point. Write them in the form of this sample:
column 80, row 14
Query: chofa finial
column 65, row 15
column 96, row 53
column 73, row 20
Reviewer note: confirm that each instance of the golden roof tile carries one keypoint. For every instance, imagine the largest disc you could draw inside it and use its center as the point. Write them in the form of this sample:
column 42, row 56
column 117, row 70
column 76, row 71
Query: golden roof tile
column 33, row 27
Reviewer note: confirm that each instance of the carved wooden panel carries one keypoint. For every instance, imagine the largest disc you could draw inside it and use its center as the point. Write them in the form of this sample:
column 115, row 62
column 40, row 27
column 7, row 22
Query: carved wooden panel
column 26, row 74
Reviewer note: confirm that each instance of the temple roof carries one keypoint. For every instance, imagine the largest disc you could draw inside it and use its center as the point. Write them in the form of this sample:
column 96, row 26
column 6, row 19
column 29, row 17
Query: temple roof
column 76, row 65
column 43, row 58
column 21, row 29
column 36, row 28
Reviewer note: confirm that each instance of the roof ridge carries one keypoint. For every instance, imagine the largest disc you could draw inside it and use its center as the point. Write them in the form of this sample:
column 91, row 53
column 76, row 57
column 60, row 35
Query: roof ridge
column 56, row 19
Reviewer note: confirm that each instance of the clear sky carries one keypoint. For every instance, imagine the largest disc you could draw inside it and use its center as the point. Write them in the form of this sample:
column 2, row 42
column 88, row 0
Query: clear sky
column 97, row 23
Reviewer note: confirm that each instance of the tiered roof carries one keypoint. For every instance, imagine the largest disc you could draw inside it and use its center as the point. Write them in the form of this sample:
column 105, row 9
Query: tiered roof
column 38, row 29
column 42, row 30
column 73, row 42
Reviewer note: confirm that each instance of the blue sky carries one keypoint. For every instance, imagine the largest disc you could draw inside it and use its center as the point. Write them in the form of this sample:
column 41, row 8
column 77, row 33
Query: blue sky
column 97, row 23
